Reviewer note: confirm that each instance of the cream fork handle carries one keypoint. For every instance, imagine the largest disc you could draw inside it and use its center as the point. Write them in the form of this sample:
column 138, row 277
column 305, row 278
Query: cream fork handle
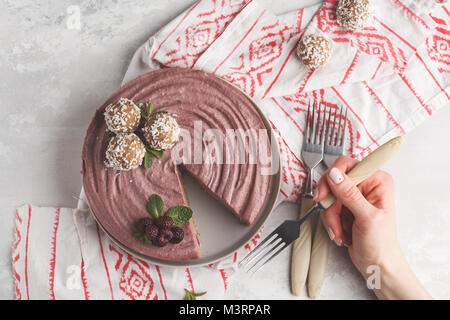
column 319, row 260
column 369, row 165
column 321, row 242
column 301, row 250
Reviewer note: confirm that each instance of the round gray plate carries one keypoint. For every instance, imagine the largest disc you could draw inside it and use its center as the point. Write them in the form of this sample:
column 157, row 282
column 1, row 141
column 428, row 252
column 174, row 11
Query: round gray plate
column 221, row 234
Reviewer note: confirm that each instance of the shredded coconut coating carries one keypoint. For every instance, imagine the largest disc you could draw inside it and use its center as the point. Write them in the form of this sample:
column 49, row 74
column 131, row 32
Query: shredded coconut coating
column 122, row 116
column 354, row 14
column 314, row 50
column 161, row 131
column 125, row 152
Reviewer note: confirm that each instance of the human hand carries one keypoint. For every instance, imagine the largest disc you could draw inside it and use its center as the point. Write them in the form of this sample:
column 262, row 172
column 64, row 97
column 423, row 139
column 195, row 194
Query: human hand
column 363, row 219
column 363, row 216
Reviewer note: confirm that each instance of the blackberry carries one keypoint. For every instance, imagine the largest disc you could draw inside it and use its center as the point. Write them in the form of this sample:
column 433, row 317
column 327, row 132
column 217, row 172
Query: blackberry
column 142, row 224
column 178, row 235
column 152, row 232
column 160, row 242
column 164, row 222
column 166, row 233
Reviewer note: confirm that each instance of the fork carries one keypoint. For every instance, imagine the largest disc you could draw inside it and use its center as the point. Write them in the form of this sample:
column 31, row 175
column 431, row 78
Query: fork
column 334, row 141
column 301, row 251
column 289, row 230
column 311, row 247
column 318, row 259
column 313, row 145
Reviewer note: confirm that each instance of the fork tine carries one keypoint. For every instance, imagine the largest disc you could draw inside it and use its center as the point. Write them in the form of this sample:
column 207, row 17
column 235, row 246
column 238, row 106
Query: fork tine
column 322, row 134
column 338, row 134
column 271, row 257
column 250, row 256
column 266, row 254
column 334, row 128
column 261, row 250
column 327, row 137
column 317, row 123
column 313, row 124
column 345, row 126
column 307, row 121
column 319, row 126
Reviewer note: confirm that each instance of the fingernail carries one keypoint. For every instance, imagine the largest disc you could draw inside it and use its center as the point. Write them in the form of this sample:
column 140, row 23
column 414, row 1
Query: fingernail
column 330, row 233
column 336, row 176
column 338, row 242
column 316, row 193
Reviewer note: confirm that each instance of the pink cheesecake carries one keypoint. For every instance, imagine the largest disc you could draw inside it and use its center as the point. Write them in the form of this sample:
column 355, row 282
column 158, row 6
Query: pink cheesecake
column 201, row 103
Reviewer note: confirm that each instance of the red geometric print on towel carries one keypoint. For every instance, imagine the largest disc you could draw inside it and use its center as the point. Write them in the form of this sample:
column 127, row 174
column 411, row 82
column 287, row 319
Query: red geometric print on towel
column 135, row 279
column 199, row 36
column 16, row 256
column 84, row 281
column 410, row 13
column 368, row 40
column 293, row 173
column 327, row 19
column 361, row 152
column 258, row 59
column 438, row 44
column 299, row 101
column 189, row 280
column 251, row 244
column 51, row 277
column 383, row 107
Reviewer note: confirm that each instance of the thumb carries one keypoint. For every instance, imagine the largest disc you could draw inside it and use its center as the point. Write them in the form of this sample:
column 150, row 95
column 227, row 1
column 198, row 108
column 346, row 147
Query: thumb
column 348, row 193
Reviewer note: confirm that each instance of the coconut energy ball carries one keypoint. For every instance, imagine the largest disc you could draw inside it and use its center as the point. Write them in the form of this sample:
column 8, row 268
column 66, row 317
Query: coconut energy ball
column 122, row 116
column 354, row 14
column 314, row 50
column 125, row 152
column 161, row 131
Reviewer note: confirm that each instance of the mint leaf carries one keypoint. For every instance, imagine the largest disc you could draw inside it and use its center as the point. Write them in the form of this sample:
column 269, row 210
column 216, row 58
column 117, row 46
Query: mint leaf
column 139, row 235
column 147, row 241
column 142, row 237
column 157, row 153
column 190, row 295
column 180, row 214
column 150, row 108
column 148, row 111
column 162, row 111
column 148, row 160
column 155, row 206
column 110, row 135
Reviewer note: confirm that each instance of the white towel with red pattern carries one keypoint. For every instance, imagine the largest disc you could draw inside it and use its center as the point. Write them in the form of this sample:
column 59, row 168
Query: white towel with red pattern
column 391, row 76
